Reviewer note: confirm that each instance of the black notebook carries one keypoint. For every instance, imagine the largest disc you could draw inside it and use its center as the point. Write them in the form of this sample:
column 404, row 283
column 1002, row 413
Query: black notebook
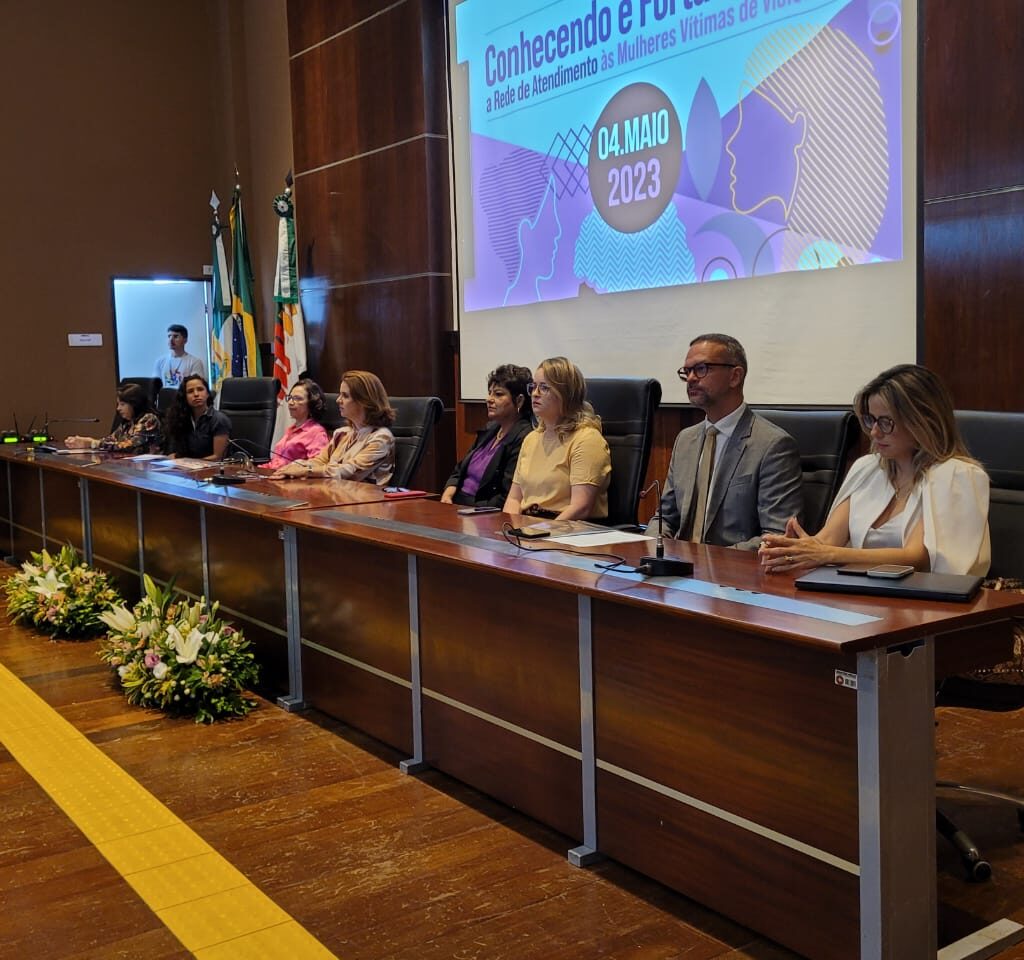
column 925, row 586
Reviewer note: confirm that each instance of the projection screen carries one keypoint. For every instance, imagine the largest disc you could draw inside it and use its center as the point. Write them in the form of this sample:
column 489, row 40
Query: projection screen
column 628, row 174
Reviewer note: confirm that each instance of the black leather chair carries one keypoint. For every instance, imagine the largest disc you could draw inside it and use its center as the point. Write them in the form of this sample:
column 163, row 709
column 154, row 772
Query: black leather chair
column 414, row 422
column 824, row 438
column 251, row 404
column 997, row 441
column 332, row 418
column 164, row 399
column 626, row 406
column 150, row 384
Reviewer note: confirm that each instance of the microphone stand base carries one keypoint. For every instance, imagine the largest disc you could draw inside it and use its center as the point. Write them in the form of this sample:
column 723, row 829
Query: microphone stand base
column 224, row 480
column 663, row 567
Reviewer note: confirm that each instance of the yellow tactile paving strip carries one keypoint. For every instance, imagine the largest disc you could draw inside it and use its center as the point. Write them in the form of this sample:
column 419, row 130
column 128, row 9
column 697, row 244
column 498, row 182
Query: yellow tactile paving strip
column 204, row 901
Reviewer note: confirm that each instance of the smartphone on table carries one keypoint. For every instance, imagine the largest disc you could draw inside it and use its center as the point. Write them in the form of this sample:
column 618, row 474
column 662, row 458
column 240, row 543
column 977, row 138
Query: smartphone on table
column 887, row 571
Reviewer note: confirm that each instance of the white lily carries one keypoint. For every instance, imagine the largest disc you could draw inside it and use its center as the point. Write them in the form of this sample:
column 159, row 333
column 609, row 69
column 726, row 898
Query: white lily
column 49, row 585
column 31, row 569
column 119, row 619
column 147, row 628
column 186, row 648
column 160, row 670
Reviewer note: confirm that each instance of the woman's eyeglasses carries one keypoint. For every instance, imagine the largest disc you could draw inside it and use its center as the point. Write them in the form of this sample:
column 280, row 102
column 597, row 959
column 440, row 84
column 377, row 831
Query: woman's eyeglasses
column 292, row 398
column 885, row 424
column 542, row 388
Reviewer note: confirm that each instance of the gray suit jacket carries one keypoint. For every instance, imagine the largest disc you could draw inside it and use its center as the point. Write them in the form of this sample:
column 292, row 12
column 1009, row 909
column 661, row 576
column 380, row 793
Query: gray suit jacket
column 756, row 488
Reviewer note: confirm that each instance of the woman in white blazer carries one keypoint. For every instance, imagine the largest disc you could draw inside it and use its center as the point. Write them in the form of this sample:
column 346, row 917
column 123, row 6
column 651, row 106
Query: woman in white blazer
column 918, row 498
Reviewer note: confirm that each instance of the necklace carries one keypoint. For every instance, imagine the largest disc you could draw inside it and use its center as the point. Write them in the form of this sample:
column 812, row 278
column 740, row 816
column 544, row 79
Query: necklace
column 903, row 489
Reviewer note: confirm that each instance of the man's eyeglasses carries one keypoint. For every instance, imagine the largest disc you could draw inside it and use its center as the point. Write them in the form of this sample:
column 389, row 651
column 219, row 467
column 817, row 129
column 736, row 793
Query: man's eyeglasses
column 885, row 424
column 542, row 388
column 700, row 370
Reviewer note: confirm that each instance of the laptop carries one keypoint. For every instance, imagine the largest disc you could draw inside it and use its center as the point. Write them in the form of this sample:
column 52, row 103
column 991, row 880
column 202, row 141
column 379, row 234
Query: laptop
column 958, row 588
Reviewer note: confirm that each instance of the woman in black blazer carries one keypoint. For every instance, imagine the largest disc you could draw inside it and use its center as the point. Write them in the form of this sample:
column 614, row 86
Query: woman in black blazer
column 482, row 478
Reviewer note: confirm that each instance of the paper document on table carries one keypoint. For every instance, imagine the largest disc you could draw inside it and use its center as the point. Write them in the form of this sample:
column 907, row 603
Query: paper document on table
column 186, row 463
column 147, row 456
column 602, row 539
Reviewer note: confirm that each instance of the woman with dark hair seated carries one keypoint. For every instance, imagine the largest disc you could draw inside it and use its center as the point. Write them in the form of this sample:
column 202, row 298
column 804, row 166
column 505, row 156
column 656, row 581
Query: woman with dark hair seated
column 305, row 437
column 564, row 466
column 194, row 429
column 136, row 430
column 364, row 449
column 484, row 475
column 917, row 499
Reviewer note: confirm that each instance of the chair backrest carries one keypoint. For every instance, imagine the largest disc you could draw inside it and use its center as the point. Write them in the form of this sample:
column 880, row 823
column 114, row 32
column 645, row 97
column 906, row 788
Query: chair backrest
column 414, row 422
column 165, row 399
column 626, row 406
column 251, row 403
column 332, row 418
column 150, row 384
column 824, row 439
column 996, row 440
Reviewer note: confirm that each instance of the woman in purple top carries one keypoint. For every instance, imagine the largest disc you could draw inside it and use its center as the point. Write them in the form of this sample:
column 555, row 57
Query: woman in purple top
column 306, row 437
column 483, row 477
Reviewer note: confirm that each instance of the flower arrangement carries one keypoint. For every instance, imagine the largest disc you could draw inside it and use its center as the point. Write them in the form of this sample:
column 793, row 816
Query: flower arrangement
column 179, row 656
column 60, row 595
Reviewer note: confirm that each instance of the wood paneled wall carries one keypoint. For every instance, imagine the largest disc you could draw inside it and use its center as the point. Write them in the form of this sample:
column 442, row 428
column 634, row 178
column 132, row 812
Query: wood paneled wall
column 368, row 101
column 973, row 193
column 372, row 201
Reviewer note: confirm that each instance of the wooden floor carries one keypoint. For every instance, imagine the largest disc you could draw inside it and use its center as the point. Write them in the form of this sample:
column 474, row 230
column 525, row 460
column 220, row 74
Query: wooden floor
column 375, row 864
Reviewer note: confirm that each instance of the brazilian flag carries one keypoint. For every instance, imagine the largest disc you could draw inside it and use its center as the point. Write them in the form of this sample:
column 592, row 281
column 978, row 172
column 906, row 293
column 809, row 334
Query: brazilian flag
column 245, row 355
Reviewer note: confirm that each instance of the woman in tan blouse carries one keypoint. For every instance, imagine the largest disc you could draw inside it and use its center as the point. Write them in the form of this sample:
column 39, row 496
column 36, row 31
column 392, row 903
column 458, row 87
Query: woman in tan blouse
column 364, row 449
column 564, row 465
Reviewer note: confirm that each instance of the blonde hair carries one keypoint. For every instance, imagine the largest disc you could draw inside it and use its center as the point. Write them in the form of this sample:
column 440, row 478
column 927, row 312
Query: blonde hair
column 919, row 401
column 369, row 393
column 566, row 379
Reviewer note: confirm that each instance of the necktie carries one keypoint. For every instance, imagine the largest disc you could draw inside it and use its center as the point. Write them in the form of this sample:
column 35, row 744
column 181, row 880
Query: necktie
column 704, row 471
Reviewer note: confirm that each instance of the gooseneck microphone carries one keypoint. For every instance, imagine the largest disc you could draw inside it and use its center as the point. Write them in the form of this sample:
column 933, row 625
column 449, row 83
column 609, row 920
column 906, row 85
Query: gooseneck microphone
column 658, row 565
column 245, row 458
column 247, row 462
column 223, row 479
column 44, row 437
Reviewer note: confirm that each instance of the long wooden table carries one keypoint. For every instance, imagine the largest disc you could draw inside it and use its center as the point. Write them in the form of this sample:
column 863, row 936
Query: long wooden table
column 768, row 753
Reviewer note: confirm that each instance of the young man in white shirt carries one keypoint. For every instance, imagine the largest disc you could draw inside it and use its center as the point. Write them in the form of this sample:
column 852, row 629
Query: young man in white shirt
column 176, row 365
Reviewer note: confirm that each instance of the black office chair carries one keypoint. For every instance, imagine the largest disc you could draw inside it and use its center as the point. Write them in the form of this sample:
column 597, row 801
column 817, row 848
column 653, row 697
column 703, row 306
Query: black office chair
column 824, row 438
column 251, row 404
column 332, row 418
column 414, row 423
column 165, row 399
column 997, row 441
column 150, row 384
column 626, row 406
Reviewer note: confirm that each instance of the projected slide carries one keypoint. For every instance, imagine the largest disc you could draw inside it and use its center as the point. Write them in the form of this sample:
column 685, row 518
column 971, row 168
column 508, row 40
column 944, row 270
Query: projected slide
column 625, row 145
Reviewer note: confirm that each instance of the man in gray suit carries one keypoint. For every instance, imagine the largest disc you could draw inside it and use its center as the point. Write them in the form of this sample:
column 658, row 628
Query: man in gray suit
column 733, row 476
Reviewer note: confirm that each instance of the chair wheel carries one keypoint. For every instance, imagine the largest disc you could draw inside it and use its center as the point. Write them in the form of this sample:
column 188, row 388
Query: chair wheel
column 979, row 871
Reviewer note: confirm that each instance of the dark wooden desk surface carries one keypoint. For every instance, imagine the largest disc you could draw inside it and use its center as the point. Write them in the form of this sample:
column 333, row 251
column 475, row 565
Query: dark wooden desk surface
column 141, row 475
column 898, row 620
